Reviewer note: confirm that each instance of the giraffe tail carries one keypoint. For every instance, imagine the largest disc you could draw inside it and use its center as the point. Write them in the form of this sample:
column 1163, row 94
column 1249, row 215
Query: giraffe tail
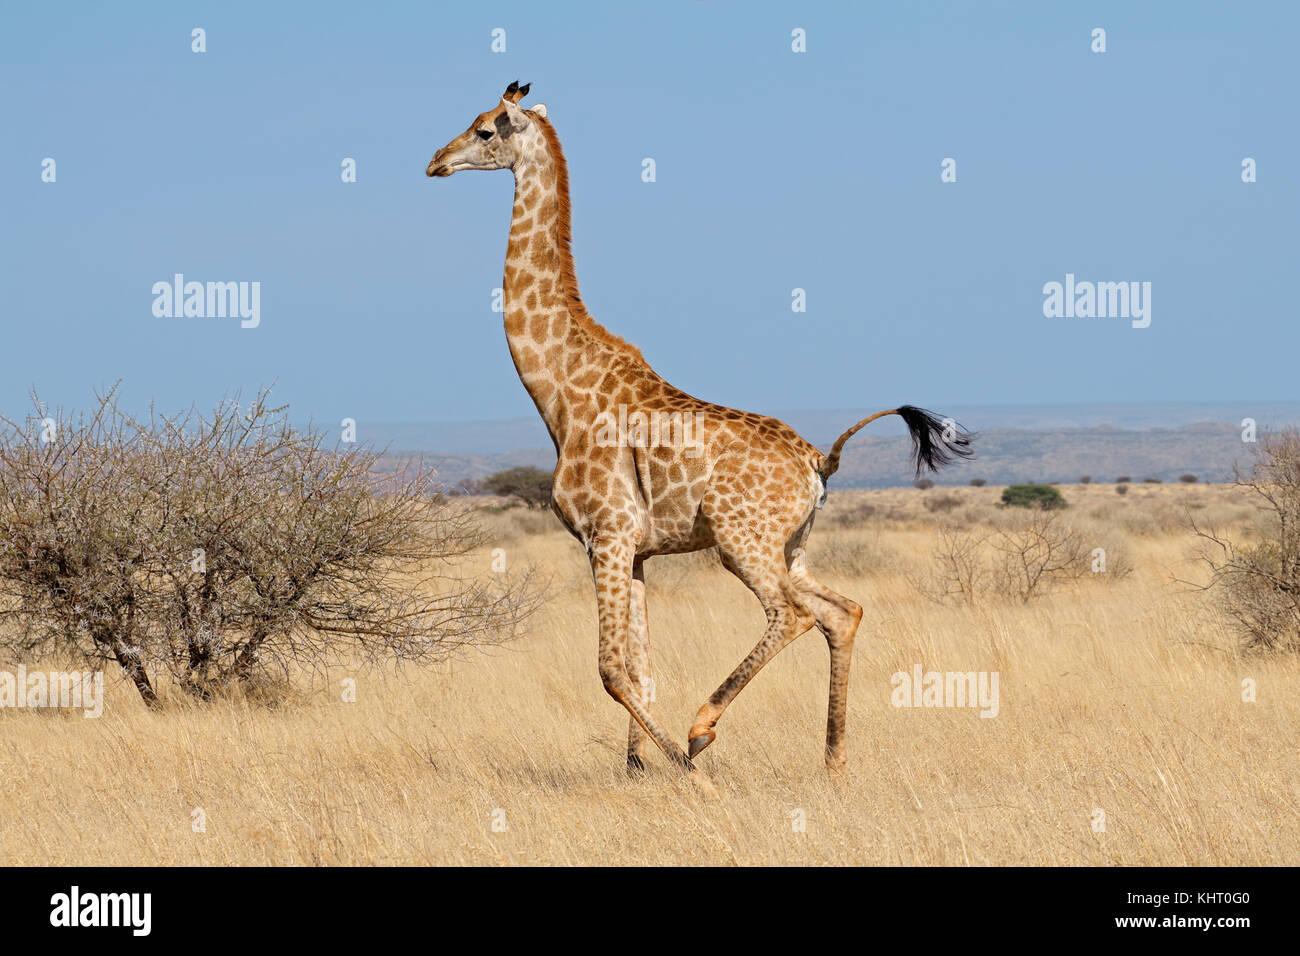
column 935, row 441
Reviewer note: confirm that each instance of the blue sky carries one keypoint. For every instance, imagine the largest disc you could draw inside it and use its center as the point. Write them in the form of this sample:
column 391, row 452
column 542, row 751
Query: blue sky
column 775, row 170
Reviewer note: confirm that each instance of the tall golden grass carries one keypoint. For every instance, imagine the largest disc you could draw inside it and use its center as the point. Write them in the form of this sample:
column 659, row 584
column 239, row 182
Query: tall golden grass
column 1118, row 696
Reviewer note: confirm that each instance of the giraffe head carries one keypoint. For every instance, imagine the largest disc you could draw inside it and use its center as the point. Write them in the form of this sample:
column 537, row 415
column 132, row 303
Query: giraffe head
column 496, row 139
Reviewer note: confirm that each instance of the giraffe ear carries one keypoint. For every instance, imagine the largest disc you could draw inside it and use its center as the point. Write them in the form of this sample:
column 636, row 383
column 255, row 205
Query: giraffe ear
column 518, row 119
column 538, row 109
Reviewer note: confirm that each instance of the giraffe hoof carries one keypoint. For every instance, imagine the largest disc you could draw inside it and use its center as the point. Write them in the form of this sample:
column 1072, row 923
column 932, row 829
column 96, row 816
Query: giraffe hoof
column 635, row 765
column 700, row 741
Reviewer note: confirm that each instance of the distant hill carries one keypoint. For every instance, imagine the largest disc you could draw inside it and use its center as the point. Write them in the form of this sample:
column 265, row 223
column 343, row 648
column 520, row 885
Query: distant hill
column 1013, row 443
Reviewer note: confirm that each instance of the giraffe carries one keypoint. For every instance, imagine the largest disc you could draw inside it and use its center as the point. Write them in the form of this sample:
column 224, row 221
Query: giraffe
column 744, row 483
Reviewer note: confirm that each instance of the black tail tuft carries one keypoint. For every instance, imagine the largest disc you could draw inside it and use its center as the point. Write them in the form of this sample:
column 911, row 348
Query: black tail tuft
column 935, row 441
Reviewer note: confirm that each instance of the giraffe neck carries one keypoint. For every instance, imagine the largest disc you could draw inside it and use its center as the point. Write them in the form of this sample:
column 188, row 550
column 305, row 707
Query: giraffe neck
column 563, row 357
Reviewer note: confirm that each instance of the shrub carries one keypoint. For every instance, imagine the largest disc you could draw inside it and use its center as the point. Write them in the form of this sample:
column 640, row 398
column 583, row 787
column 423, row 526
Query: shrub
column 1031, row 556
column 1020, row 561
column 1258, row 583
column 1152, row 481
column 1123, row 480
column 1032, row 496
column 942, row 502
column 1121, row 489
column 850, row 554
column 216, row 548
column 978, row 482
column 1187, row 479
column 923, row 483
column 848, row 515
column 960, row 574
column 530, row 485
column 1086, row 480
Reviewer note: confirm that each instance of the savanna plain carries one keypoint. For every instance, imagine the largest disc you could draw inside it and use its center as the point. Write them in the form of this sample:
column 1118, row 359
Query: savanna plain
column 1132, row 727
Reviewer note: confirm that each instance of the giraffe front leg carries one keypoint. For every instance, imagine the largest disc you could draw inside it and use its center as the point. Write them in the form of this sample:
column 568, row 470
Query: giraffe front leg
column 638, row 667
column 612, row 570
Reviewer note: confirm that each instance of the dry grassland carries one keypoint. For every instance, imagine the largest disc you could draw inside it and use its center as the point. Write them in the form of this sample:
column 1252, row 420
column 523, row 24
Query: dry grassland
column 1118, row 694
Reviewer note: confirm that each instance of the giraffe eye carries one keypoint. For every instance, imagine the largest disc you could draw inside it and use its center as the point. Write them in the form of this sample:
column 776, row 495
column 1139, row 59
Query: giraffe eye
column 484, row 133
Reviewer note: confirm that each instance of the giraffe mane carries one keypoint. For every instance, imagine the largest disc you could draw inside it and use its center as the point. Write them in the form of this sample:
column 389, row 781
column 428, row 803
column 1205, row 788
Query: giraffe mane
column 568, row 273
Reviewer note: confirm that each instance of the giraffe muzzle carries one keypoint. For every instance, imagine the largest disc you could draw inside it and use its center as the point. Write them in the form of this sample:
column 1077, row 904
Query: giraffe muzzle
column 444, row 163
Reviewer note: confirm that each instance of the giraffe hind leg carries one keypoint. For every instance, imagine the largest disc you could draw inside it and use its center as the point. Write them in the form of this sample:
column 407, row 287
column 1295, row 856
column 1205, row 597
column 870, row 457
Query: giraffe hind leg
column 766, row 575
column 837, row 618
